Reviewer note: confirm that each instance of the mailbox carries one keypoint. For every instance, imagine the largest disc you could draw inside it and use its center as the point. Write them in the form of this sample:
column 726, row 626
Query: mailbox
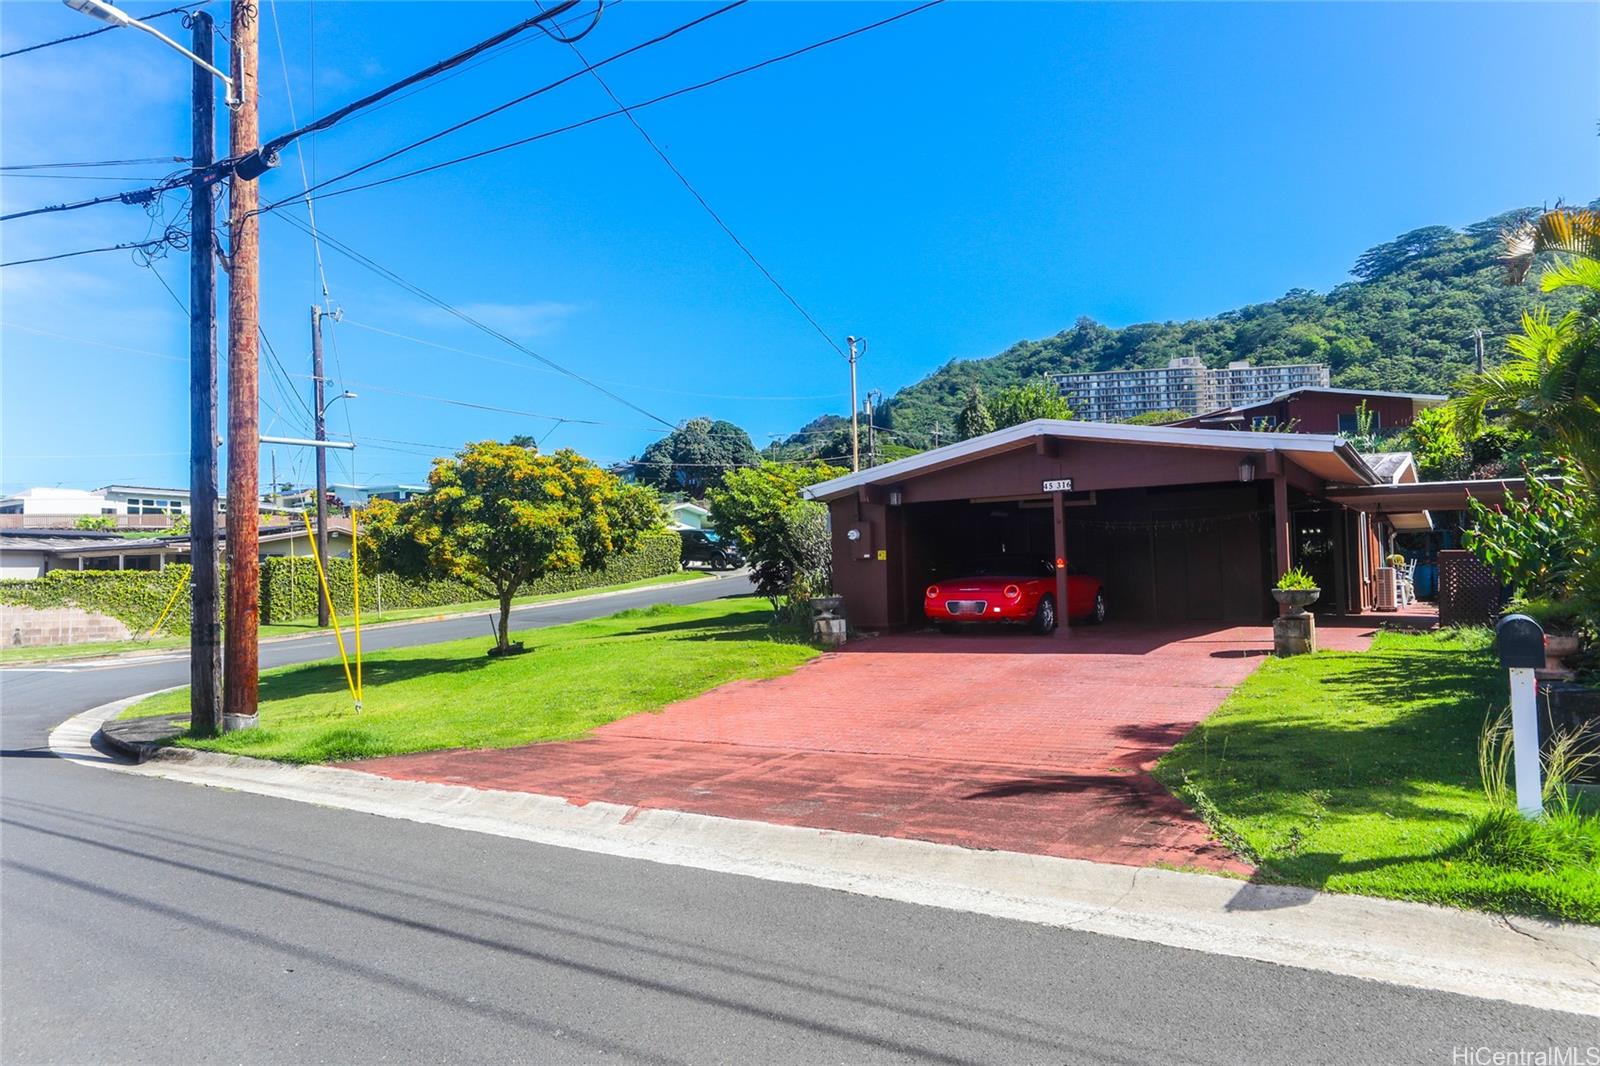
column 1520, row 642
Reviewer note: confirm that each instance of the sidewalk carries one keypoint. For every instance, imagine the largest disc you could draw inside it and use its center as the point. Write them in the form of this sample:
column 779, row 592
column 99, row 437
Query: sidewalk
column 1548, row 965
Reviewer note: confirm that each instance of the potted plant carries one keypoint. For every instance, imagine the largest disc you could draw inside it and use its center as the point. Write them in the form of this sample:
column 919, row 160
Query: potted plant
column 1296, row 590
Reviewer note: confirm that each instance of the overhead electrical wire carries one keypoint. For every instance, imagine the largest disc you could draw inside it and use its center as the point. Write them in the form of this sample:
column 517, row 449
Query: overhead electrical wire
column 498, row 108
column 604, row 381
column 130, row 246
column 102, row 29
column 421, row 293
column 569, row 127
column 252, row 165
column 265, row 154
column 701, row 200
column 146, row 161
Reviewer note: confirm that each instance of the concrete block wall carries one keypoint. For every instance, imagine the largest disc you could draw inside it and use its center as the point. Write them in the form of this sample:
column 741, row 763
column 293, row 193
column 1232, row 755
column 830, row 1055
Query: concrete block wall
column 28, row 627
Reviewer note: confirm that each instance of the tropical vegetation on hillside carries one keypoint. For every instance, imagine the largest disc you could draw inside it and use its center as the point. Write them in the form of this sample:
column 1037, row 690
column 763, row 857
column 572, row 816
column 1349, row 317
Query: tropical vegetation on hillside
column 1406, row 322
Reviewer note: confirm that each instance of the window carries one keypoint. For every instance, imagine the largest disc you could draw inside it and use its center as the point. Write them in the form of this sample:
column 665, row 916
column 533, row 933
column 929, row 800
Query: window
column 1348, row 428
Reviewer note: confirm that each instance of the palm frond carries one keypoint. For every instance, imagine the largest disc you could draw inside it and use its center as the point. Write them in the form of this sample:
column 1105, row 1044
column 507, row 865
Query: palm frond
column 1572, row 230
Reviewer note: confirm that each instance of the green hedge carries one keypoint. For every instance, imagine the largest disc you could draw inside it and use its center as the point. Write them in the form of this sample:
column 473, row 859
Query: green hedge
column 289, row 586
column 133, row 597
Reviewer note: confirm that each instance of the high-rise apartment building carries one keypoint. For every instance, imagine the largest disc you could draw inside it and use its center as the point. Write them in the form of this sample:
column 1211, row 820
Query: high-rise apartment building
column 1185, row 384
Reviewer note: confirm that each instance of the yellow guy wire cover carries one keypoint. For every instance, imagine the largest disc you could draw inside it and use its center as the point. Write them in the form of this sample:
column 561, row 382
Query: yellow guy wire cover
column 333, row 612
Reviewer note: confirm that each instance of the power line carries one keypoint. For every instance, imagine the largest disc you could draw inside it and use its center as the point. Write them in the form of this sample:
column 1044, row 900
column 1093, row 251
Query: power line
column 497, row 109
column 146, row 161
column 486, row 407
column 422, row 293
column 701, row 200
column 102, row 29
column 603, row 381
column 164, row 239
column 265, row 155
column 520, row 142
column 487, row 57
column 256, row 163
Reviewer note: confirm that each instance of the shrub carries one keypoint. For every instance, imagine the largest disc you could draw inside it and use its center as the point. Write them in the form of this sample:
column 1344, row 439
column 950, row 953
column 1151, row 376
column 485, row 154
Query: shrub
column 289, row 586
column 133, row 597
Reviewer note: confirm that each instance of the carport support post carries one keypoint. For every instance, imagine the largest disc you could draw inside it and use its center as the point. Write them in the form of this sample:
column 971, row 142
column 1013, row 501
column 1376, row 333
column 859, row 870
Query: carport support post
column 1058, row 508
column 1280, row 512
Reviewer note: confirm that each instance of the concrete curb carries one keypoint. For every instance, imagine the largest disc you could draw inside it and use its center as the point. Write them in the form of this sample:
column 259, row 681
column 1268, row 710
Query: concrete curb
column 1548, row 965
column 90, row 659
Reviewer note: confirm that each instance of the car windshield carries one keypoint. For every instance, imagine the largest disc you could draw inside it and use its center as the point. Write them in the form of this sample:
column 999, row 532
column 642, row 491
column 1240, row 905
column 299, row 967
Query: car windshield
column 1009, row 566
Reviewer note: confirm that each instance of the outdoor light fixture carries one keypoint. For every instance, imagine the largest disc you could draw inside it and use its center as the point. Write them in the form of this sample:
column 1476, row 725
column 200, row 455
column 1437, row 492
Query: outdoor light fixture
column 896, row 498
column 112, row 15
column 1247, row 469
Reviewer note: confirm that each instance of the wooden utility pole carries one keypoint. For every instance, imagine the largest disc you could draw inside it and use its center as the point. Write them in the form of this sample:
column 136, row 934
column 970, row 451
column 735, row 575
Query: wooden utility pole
column 244, row 387
column 205, row 636
column 855, row 428
column 320, row 405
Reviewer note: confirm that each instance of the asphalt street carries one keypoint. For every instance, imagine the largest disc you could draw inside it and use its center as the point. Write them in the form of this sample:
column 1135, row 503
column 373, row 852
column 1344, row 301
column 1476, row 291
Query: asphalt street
column 146, row 920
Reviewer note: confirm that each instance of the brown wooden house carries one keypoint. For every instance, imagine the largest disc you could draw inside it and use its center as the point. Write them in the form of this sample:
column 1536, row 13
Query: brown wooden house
column 1180, row 524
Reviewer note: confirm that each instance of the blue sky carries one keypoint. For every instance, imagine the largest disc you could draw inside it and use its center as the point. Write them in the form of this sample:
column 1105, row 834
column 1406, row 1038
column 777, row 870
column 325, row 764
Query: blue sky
column 962, row 179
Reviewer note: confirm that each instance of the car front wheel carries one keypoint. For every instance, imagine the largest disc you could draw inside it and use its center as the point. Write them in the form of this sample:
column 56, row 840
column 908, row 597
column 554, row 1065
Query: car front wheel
column 1044, row 619
column 1098, row 615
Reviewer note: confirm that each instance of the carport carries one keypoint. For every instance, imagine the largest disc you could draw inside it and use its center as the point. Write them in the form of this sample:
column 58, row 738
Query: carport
column 1179, row 524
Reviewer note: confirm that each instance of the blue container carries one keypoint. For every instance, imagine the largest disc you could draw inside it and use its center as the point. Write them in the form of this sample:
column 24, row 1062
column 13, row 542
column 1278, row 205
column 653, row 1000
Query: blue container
column 1426, row 580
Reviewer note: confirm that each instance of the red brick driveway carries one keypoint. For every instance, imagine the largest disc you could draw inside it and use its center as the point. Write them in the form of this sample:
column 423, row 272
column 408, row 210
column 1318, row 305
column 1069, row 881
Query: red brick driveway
column 985, row 740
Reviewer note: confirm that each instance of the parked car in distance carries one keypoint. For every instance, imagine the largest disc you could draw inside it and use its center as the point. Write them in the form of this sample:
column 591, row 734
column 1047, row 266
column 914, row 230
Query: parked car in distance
column 704, row 547
column 1015, row 589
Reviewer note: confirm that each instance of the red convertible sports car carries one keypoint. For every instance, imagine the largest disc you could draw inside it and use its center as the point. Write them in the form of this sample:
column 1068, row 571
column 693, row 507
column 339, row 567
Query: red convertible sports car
column 1013, row 589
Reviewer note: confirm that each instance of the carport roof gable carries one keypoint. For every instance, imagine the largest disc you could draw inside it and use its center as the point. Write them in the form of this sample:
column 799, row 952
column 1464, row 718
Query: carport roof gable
column 1015, row 437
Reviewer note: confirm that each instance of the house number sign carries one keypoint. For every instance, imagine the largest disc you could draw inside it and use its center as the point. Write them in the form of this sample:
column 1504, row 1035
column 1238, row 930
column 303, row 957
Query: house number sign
column 1061, row 485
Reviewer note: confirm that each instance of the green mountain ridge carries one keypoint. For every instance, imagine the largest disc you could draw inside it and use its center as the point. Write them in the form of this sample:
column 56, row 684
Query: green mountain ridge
column 1404, row 324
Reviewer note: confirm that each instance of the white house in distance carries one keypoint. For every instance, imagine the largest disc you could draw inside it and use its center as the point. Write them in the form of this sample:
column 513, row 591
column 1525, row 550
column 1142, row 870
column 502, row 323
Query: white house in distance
column 361, row 495
column 686, row 515
column 109, row 500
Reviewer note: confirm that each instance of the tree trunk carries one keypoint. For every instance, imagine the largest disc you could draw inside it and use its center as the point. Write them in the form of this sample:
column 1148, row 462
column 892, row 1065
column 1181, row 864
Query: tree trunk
column 505, row 619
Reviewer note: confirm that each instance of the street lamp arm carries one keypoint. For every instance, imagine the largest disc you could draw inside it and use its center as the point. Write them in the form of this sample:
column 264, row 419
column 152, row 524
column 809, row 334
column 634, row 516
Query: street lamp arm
column 115, row 16
column 231, row 99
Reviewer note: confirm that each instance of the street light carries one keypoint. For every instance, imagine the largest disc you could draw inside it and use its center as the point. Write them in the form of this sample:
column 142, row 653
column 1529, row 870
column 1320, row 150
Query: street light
column 115, row 16
column 345, row 395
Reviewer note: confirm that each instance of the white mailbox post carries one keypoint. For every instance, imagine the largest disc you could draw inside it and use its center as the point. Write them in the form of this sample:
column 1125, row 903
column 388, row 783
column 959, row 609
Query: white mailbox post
column 1520, row 642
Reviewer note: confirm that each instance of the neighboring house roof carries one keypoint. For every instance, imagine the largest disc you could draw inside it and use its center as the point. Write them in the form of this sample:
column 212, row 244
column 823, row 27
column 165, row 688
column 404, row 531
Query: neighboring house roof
column 1328, row 457
column 52, row 494
column 1222, row 414
column 143, row 490
column 71, row 543
column 1392, row 467
column 685, row 505
column 1426, row 399
column 54, row 540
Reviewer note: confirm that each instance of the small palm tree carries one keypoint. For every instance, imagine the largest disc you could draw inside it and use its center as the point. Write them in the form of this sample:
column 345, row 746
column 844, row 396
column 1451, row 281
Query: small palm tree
column 1550, row 383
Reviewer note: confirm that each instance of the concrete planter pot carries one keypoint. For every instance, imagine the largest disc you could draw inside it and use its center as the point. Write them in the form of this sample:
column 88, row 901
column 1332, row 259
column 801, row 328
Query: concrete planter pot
column 1558, row 648
column 826, row 606
column 1295, row 601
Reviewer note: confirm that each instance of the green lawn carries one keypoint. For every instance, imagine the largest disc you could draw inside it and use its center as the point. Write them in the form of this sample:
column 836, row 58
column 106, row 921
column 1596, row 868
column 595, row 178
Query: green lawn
column 1358, row 773
column 573, row 678
column 302, row 626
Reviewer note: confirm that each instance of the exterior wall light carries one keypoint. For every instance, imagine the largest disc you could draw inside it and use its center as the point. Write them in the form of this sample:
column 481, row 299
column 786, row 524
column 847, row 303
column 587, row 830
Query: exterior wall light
column 1247, row 469
column 896, row 498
